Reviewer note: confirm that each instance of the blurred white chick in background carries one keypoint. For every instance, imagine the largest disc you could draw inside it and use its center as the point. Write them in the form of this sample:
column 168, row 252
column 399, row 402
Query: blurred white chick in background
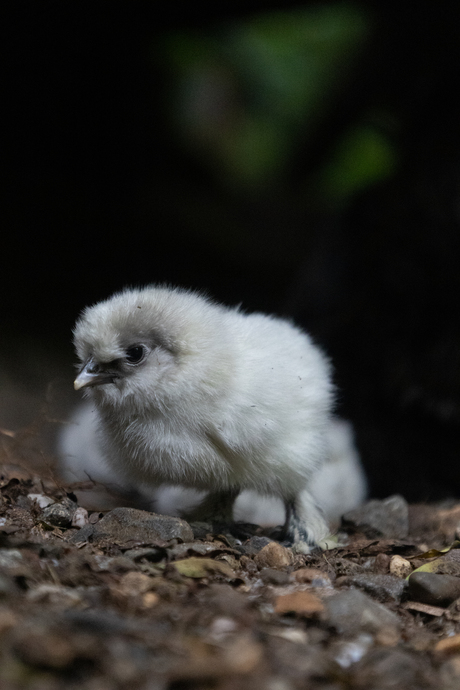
column 188, row 393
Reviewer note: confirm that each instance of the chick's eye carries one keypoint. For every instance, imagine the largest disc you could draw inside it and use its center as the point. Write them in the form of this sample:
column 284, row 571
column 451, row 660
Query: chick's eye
column 135, row 354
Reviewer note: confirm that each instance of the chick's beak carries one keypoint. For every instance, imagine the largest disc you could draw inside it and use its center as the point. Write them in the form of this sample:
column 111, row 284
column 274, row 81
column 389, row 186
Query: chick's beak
column 92, row 374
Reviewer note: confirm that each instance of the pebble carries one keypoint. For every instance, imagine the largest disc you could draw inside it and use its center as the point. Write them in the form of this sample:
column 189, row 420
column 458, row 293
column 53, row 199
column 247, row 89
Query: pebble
column 224, row 600
column 221, row 627
column 150, row 599
column 146, row 553
column 273, row 555
column 241, row 655
column 255, row 544
column 59, row 514
column 352, row 612
column 41, row 500
column 313, row 576
column 201, row 529
column 380, row 518
column 126, row 525
column 380, row 586
column 95, row 517
column 198, row 548
column 303, row 603
column 84, row 534
column 300, row 663
column 134, row 583
column 271, row 576
column 395, row 668
column 448, row 645
column 433, row 588
column 400, row 567
column 110, row 564
column 448, row 563
column 80, row 518
column 247, row 564
column 381, row 563
column 296, row 635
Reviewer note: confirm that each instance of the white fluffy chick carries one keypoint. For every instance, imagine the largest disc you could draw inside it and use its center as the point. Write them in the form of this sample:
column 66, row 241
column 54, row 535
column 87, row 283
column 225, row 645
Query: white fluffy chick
column 195, row 394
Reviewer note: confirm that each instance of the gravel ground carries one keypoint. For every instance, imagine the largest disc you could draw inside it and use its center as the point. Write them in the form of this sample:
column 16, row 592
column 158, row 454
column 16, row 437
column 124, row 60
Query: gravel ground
column 108, row 600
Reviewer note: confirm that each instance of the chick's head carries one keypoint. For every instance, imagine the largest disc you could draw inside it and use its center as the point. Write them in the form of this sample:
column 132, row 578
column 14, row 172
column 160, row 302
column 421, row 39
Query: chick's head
column 133, row 344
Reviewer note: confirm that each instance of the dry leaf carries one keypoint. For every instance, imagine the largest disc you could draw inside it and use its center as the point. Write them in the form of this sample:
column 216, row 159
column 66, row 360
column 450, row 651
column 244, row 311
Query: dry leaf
column 202, row 567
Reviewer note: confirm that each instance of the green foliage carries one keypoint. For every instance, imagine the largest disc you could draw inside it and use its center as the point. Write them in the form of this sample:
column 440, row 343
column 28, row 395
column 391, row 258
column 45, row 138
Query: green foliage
column 363, row 157
column 246, row 96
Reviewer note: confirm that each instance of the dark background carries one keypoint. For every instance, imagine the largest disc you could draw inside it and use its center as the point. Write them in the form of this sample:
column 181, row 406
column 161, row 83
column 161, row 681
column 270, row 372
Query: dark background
column 104, row 184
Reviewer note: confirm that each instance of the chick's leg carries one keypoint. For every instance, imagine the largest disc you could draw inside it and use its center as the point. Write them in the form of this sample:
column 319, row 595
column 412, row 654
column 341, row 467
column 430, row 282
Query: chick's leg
column 305, row 525
column 215, row 507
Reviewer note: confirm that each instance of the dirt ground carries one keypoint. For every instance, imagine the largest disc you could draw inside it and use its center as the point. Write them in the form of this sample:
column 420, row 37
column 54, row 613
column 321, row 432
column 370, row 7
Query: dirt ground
column 108, row 600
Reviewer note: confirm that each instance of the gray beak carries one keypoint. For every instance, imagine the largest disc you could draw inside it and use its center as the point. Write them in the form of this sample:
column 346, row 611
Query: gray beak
column 93, row 374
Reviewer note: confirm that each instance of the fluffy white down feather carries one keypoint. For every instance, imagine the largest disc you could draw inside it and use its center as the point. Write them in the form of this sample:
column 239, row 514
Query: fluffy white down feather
column 338, row 486
column 192, row 394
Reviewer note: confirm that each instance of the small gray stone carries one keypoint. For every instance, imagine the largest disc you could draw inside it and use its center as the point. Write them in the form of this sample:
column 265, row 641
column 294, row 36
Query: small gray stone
column 84, row 534
column 255, row 544
column 434, row 589
column 201, row 529
column 271, row 576
column 352, row 612
column 387, row 518
column 146, row 553
column 395, row 668
column 59, row 514
column 380, row 586
column 41, row 500
column 124, row 526
column 110, row 564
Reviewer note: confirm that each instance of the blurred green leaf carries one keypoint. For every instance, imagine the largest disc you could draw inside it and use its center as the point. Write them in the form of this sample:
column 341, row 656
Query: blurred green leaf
column 364, row 157
column 202, row 567
column 290, row 60
column 245, row 93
